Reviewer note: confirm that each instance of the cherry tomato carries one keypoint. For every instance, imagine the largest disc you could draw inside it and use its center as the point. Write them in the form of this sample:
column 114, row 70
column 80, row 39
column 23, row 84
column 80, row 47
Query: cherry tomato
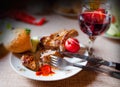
column 72, row 45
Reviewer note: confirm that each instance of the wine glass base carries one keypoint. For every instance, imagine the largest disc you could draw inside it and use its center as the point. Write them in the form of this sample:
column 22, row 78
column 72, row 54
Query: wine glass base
column 90, row 51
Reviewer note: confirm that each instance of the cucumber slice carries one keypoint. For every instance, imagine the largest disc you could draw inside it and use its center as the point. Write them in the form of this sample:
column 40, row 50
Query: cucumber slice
column 113, row 31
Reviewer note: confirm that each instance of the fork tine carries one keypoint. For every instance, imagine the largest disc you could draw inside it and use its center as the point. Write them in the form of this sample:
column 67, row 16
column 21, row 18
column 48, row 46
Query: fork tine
column 54, row 60
column 58, row 62
column 53, row 63
column 54, row 57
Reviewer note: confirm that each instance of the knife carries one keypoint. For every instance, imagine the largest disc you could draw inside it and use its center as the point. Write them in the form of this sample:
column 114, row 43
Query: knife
column 95, row 60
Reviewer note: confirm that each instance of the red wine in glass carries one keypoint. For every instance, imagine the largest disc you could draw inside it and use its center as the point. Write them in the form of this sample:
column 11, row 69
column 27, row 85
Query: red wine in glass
column 94, row 23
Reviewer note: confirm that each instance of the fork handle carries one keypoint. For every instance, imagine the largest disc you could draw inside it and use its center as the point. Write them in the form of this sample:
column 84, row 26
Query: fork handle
column 111, row 73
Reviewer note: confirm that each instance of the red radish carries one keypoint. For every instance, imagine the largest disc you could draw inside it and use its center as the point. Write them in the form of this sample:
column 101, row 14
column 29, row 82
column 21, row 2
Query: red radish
column 72, row 45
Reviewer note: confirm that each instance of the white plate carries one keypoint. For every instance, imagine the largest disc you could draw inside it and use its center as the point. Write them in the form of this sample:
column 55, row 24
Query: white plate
column 65, row 14
column 111, row 37
column 59, row 74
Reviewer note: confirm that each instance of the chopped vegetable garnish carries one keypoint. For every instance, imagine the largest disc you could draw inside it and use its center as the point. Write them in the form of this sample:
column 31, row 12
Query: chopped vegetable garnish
column 9, row 26
column 25, row 17
column 35, row 43
column 45, row 70
column 41, row 22
column 27, row 30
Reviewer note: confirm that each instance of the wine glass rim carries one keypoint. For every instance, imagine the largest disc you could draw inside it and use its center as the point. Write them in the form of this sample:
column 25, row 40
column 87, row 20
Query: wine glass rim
column 101, row 5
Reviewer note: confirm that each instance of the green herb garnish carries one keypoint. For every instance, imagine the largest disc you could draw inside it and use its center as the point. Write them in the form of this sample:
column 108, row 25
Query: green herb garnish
column 9, row 26
column 27, row 30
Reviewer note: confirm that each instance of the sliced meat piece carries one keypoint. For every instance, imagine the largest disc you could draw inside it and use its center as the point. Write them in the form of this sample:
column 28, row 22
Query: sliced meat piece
column 56, row 40
column 30, row 62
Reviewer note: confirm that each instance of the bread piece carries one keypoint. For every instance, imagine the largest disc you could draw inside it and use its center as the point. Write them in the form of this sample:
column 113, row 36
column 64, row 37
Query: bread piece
column 56, row 40
column 19, row 41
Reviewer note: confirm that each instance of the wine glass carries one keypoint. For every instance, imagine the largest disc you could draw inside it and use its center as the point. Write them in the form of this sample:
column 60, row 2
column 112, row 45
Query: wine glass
column 94, row 21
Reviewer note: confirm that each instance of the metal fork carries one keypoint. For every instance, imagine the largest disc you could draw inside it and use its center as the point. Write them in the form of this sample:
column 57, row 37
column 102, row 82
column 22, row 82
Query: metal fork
column 61, row 63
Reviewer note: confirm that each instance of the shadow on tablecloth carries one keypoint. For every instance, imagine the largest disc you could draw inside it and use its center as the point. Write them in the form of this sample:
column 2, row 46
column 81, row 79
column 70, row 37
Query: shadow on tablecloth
column 82, row 79
column 3, row 51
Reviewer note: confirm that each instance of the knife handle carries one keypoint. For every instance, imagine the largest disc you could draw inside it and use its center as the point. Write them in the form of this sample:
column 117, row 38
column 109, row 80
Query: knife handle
column 115, row 74
column 117, row 66
column 106, row 63
column 111, row 73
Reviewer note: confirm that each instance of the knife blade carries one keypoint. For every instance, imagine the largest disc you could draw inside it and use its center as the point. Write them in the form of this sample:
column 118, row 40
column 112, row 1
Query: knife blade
column 96, row 60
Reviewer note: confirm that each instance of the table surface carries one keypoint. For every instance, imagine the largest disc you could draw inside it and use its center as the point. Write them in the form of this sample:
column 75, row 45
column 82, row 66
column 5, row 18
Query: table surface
column 106, row 48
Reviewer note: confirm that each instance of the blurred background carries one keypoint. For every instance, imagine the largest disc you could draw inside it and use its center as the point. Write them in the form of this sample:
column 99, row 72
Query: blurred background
column 46, row 6
column 37, row 5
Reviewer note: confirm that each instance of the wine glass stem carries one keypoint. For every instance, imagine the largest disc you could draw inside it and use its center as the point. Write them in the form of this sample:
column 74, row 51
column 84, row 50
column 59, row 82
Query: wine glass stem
column 91, row 42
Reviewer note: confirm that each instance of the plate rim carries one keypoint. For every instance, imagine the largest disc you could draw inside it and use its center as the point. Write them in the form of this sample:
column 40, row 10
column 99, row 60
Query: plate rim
column 111, row 37
column 19, row 72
